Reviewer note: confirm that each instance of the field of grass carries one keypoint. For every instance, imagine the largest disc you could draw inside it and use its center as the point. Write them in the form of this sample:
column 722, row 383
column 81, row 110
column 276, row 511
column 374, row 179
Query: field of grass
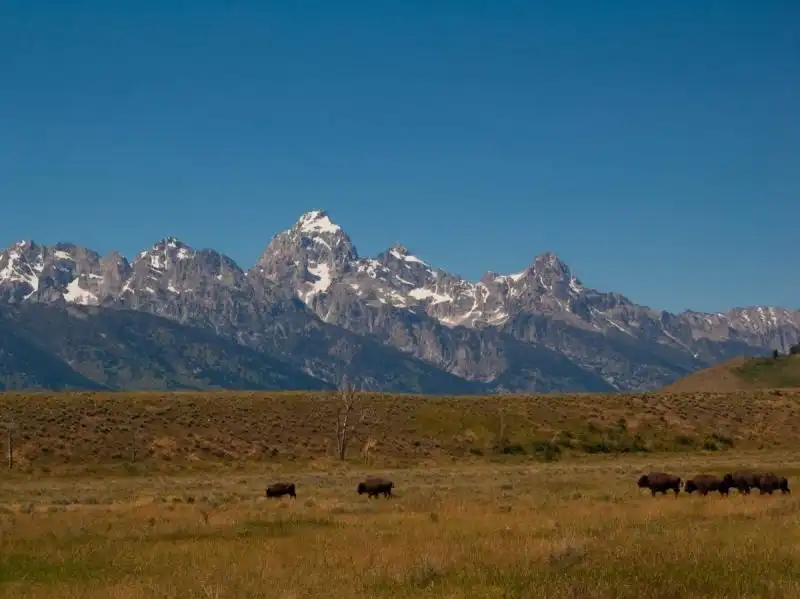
column 158, row 432
column 742, row 374
column 575, row 528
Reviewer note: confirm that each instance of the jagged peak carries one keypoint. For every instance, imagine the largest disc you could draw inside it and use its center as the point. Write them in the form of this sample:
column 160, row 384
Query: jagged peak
column 400, row 252
column 164, row 247
column 23, row 245
column 547, row 266
column 550, row 261
column 315, row 222
column 170, row 242
column 312, row 240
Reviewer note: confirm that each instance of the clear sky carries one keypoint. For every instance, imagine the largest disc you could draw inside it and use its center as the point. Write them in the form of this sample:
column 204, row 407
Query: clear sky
column 654, row 146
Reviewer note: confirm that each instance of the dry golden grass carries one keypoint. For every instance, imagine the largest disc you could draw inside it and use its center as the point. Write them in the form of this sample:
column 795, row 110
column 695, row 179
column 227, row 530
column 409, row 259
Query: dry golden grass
column 558, row 530
column 178, row 431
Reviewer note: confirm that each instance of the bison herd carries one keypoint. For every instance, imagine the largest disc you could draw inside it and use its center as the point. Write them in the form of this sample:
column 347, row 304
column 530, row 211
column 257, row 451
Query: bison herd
column 372, row 486
column 765, row 482
column 657, row 482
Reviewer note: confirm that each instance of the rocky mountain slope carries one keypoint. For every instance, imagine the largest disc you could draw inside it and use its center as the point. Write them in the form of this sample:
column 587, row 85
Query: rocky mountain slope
column 395, row 322
column 77, row 347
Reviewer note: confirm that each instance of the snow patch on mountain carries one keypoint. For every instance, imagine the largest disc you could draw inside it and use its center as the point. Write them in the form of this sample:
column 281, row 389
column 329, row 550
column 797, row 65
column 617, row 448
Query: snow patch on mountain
column 75, row 294
column 406, row 257
column 323, row 274
column 421, row 293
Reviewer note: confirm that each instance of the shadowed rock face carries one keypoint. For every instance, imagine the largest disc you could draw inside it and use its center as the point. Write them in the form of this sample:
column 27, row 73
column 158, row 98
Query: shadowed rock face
column 396, row 322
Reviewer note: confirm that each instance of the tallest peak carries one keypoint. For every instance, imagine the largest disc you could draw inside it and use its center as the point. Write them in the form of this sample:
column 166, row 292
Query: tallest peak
column 550, row 260
column 317, row 221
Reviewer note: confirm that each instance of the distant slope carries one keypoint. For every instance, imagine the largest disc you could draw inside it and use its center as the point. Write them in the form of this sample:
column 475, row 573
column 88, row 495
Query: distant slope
column 742, row 374
column 23, row 365
column 46, row 346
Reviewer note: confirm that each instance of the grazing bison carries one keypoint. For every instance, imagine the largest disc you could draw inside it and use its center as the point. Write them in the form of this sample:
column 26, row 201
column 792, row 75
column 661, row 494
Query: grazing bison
column 660, row 482
column 281, row 489
column 703, row 483
column 743, row 480
column 769, row 482
column 375, row 486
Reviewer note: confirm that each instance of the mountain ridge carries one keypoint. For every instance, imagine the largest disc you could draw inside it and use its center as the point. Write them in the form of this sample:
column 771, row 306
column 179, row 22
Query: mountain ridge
column 311, row 298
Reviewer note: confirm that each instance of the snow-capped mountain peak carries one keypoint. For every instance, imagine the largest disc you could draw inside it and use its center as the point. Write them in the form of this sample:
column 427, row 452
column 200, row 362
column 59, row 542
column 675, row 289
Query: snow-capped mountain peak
column 21, row 266
column 316, row 221
column 164, row 253
column 308, row 257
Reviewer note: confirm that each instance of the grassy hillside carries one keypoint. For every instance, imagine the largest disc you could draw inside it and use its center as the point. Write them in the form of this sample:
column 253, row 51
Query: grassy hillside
column 176, row 430
column 743, row 374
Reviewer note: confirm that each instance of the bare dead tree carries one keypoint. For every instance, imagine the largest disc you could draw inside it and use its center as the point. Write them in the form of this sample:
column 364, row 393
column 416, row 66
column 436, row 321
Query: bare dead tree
column 502, row 430
column 351, row 417
column 133, row 442
column 136, row 429
column 10, row 427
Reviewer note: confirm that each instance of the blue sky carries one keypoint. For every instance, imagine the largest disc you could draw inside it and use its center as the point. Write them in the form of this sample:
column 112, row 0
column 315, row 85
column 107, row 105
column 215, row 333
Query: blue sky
column 654, row 146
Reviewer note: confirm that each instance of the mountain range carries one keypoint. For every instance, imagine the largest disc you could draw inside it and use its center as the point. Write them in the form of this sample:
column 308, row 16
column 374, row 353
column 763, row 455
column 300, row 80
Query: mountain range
column 311, row 311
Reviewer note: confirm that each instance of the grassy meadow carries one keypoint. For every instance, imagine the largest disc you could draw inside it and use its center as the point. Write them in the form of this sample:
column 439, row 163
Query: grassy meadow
column 742, row 374
column 473, row 515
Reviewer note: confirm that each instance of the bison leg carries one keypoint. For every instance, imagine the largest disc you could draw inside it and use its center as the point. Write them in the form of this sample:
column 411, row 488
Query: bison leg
column 704, row 492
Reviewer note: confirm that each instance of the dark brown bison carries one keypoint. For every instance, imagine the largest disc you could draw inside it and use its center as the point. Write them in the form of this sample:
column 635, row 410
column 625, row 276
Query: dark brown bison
column 704, row 483
column 769, row 482
column 660, row 482
column 375, row 486
column 743, row 480
column 281, row 489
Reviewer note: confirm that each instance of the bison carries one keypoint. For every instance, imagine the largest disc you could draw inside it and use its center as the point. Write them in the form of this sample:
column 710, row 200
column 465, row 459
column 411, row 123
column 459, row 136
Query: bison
column 703, row 483
column 281, row 489
column 743, row 480
column 660, row 482
column 375, row 486
column 768, row 483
